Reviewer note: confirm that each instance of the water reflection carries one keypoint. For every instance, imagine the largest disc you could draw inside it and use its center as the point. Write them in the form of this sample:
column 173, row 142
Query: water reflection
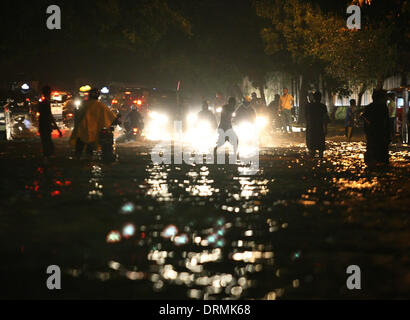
column 215, row 234
column 96, row 187
column 202, row 185
column 158, row 183
column 188, row 247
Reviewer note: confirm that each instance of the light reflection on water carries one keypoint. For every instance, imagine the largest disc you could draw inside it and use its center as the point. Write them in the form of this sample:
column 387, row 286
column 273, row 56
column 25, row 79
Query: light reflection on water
column 96, row 187
column 218, row 235
column 158, row 183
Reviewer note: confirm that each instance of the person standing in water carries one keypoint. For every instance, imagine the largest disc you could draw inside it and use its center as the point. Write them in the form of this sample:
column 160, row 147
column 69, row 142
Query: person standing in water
column 206, row 115
column 317, row 119
column 47, row 123
column 225, row 129
column 377, row 129
column 91, row 119
column 285, row 110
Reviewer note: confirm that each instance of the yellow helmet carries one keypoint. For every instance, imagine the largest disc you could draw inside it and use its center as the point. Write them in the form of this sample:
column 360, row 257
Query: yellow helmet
column 248, row 99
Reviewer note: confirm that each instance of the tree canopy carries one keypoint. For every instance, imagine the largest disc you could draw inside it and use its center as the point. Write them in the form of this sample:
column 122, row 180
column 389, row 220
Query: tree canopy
column 319, row 39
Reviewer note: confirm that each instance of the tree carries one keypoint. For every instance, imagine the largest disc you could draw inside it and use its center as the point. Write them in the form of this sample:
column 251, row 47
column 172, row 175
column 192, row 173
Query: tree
column 360, row 58
column 292, row 27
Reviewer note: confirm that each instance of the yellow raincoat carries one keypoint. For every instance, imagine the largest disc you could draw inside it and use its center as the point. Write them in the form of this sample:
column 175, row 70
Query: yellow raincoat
column 90, row 120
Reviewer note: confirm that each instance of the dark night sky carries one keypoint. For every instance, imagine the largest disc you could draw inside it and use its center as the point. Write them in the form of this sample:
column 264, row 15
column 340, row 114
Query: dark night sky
column 29, row 50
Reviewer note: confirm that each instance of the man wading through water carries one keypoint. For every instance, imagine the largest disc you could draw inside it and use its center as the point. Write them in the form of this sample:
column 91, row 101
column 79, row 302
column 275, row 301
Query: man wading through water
column 90, row 120
column 317, row 120
column 377, row 128
column 46, row 124
column 225, row 130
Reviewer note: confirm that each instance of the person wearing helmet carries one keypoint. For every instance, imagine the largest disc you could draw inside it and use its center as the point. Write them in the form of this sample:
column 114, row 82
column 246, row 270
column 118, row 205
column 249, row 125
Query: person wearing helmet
column 92, row 117
column 245, row 112
column 133, row 120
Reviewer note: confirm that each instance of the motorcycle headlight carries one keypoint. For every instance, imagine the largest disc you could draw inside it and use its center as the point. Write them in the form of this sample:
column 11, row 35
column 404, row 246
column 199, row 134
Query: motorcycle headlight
column 245, row 128
column 261, row 122
column 158, row 117
column 156, row 128
column 202, row 136
column 204, row 126
column 192, row 118
column 246, row 132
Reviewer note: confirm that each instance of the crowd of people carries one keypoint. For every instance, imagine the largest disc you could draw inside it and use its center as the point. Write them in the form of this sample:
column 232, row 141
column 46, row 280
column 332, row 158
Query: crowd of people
column 94, row 116
column 378, row 118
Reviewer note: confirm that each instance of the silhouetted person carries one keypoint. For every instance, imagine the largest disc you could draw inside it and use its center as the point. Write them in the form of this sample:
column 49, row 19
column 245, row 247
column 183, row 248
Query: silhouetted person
column 245, row 113
column 303, row 109
column 92, row 117
column 349, row 120
column 257, row 104
column 225, row 126
column 47, row 123
column 317, row 120
column 206, row 115
column 133, row 120
column 377, row 129
column 274, row 105
column 254, row 100
column 274, row 110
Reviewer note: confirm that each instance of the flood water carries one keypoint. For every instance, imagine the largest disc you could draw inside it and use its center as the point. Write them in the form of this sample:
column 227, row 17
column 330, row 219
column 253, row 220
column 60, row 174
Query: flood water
column 135, row 230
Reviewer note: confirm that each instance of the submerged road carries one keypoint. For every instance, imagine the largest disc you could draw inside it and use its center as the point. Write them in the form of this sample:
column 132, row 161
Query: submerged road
column 135, row 230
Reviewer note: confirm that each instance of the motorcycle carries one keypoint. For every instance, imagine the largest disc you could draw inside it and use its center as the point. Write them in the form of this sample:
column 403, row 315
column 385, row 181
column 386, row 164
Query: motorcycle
column 68, row 120
column 20, row 127
column 132, row 127
column 134, row 133
column 107, row 143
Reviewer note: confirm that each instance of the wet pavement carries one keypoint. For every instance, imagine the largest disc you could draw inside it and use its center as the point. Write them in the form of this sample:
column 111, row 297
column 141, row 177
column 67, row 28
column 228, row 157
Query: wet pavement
column 135, row 230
